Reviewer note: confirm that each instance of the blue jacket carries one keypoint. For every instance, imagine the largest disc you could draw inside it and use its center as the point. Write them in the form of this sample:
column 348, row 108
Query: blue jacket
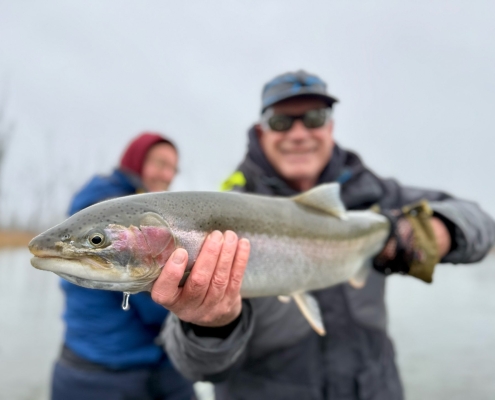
column 97, row 329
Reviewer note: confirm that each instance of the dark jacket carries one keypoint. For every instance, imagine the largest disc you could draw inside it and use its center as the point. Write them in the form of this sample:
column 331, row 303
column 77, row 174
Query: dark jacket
column 97, row 329
column 273, row 354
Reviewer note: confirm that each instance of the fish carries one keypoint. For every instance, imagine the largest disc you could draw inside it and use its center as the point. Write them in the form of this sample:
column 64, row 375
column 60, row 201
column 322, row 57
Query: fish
column 298, row 244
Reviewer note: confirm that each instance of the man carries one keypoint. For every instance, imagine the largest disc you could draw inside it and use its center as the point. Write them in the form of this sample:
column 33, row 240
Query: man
column 109, row 353
column 264, row 349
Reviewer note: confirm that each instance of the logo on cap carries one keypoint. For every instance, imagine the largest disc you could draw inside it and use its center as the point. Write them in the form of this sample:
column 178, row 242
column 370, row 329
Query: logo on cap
column 293, row 84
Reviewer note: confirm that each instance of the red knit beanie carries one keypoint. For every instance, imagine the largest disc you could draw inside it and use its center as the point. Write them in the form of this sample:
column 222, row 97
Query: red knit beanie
column 133, row 158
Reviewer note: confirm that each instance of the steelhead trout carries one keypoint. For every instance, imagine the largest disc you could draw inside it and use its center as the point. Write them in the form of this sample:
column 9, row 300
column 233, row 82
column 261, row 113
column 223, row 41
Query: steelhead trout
column 298, row 244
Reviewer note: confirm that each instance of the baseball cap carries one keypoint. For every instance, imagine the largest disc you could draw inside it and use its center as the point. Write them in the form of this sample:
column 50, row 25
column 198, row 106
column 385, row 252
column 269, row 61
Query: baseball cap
column 294, row 84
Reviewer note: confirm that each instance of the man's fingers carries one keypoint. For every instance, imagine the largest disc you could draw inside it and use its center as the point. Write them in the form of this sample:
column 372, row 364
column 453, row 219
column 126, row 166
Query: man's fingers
column 238, row 268
column 165, row 290
column 221, row 275
column 198, row 282
column 217, row 274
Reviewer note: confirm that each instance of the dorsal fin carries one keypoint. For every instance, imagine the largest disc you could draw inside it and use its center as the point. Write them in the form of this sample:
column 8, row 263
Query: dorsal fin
column 358, row 281
column 324, row 198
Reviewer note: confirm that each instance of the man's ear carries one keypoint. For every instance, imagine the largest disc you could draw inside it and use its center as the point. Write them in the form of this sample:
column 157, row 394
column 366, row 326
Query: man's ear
column 258, row 130
column 331, row 125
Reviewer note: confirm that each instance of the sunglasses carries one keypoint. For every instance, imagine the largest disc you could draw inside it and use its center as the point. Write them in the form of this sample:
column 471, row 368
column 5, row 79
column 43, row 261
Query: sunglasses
column 282, row 123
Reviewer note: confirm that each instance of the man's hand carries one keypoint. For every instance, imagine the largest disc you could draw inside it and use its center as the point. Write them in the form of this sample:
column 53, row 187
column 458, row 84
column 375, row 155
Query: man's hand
column 211, row 294
column 418, row 241
column 440, row 231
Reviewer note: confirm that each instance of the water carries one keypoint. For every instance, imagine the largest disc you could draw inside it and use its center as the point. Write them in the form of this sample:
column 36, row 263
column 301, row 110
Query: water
column 125, row 301
column 444, row 333
column 30, row 327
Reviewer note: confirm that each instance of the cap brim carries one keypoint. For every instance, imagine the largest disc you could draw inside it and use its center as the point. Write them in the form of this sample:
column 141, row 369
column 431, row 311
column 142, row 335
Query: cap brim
column 329, row 100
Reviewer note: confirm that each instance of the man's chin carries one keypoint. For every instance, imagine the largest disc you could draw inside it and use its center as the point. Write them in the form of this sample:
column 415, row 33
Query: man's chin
column 295, row 177
column 297, row 172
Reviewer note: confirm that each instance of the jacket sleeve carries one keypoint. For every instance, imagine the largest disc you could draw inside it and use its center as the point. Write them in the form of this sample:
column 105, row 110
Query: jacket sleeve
column 472, row 230
column 207, row 358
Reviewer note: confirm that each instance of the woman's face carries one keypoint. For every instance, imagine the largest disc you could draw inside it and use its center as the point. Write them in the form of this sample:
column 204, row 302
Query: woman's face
column 159, row 167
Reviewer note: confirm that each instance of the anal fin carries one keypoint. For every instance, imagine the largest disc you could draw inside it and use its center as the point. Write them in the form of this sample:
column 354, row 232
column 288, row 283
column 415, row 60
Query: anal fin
column 358, row 281
column 311, row 311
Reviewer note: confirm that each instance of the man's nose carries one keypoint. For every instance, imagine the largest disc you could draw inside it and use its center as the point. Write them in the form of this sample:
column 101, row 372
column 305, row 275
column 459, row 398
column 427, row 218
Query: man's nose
column 298, row 131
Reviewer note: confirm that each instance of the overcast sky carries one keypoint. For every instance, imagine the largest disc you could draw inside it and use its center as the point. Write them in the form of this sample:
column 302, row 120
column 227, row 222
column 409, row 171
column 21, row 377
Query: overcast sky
column 79, row 79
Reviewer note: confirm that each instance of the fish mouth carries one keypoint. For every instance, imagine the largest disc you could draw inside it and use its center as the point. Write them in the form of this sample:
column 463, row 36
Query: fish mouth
column 42, row 252
column 89, row 273
column 130, row 287
column 85, row 267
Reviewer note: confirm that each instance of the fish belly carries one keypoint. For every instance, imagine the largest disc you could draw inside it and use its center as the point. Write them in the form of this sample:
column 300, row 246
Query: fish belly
column 294, row 248
column 279, row 266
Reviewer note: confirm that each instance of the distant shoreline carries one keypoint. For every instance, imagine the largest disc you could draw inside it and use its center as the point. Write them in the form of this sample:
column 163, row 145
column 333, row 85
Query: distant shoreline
column 15, row 238
column 22, row 238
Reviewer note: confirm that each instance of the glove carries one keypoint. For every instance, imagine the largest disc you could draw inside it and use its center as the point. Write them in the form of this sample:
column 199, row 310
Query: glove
column 411, row 248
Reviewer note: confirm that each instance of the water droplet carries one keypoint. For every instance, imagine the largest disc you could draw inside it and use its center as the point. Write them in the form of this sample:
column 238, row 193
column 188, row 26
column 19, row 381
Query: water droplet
column 125, row 301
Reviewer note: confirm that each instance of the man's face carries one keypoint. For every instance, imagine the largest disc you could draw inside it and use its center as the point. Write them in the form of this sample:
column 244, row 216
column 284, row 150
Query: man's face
column 159, row 168
column 298, row 154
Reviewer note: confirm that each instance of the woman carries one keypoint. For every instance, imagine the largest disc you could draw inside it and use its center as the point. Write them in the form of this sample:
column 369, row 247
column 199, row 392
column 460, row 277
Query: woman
column 109, row 353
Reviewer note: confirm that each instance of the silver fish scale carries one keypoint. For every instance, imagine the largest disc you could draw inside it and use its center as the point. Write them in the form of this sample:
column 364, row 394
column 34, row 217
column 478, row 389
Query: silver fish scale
column 293, row 247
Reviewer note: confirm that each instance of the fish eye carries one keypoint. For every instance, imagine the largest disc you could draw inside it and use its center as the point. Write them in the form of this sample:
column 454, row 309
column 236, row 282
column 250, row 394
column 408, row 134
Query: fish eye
column 96, row 239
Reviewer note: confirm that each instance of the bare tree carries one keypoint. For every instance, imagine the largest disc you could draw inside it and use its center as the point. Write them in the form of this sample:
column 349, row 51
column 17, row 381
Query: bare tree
column 6, row 132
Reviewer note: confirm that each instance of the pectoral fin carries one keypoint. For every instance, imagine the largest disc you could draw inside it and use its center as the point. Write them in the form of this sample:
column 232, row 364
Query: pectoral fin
column 284, row 299
column 324, row 198
column 358, row 281
column 311, row 311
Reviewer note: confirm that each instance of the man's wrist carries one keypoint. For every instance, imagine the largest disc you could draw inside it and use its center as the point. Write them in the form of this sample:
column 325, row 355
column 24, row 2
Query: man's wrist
column 221, row 332
column 452, row 230
column 442, row 236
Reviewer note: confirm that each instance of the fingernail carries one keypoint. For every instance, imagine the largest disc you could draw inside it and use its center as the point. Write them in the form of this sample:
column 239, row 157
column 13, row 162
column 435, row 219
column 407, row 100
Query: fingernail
column 179, row 256
column 216, row 236
column 229, row 237
column 245, row 242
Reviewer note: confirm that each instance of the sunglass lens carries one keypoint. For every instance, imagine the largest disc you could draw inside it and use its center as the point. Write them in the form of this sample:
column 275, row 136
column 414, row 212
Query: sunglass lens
column 314, row 118
column 280, row 123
